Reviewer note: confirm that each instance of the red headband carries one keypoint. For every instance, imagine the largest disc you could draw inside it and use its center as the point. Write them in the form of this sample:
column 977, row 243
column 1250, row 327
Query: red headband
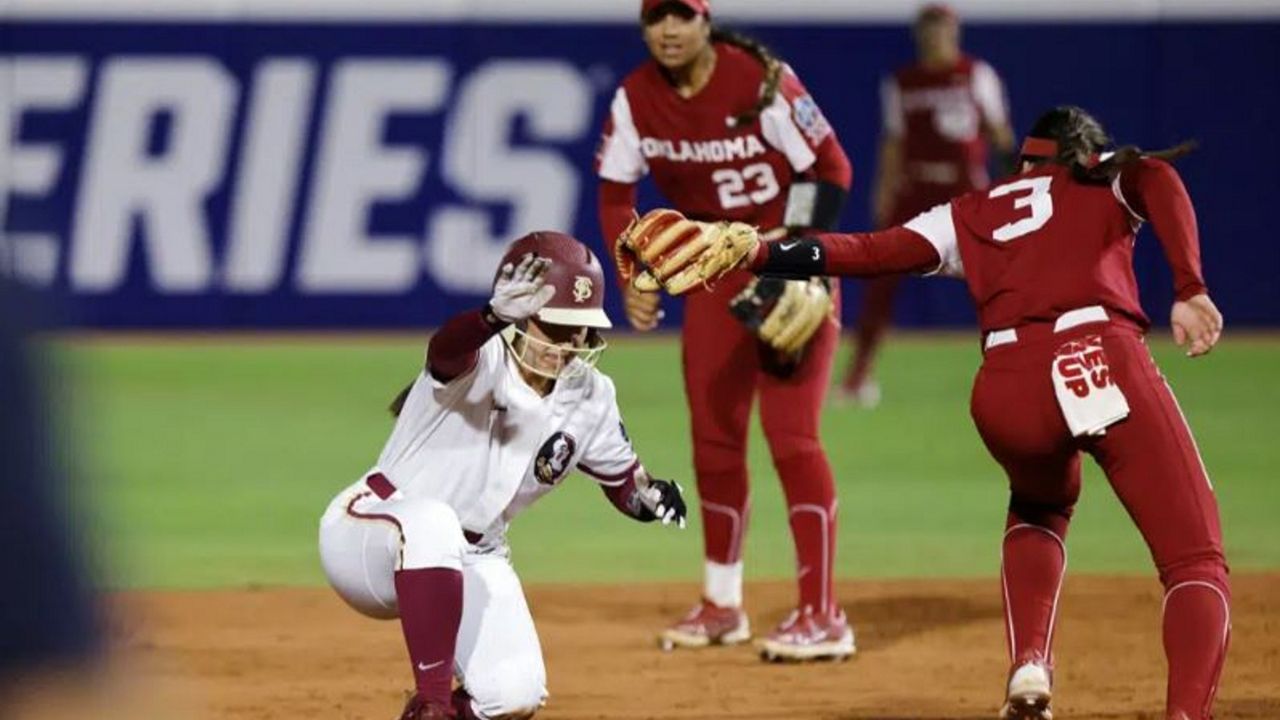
column 1037, row 148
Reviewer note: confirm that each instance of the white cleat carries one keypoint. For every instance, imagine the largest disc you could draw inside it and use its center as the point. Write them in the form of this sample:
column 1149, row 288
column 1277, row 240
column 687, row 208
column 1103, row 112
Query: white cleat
column 1030, row 692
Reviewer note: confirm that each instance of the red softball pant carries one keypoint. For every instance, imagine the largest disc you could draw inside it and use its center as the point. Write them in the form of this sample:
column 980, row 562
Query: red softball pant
column 723, row 374
column 1152, row 463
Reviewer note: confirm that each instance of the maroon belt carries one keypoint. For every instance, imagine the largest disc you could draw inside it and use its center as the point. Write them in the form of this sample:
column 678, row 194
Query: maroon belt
column 382, row 487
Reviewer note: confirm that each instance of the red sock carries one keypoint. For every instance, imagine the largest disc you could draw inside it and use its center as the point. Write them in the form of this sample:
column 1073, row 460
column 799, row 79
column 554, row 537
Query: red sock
column 1197, row 628
column 723, row 498
column 1035, row 561
column 811, row 510
column 430, row 601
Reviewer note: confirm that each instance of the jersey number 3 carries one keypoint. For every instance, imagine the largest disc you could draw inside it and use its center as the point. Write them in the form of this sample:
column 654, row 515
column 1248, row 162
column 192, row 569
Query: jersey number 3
column 1036, row 197
column 734, row 190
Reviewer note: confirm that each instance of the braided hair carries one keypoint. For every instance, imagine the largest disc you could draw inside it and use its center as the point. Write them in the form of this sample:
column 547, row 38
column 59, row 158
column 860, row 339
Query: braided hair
column 772, row 70
column 1079, row 138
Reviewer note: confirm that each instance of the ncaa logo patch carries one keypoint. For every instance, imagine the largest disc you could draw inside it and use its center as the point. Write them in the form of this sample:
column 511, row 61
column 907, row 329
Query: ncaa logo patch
column 582, row 288
column 552, row 462
column 810, row 119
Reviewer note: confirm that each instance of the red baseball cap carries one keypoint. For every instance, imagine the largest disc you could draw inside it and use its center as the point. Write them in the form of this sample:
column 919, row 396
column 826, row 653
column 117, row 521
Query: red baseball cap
column 699, row 7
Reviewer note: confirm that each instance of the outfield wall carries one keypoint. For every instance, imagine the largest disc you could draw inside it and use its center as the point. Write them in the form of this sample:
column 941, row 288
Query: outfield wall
column 360, row 163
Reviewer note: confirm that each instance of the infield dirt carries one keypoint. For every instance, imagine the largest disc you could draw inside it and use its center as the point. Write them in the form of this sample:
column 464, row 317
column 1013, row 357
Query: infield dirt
column 926, row 649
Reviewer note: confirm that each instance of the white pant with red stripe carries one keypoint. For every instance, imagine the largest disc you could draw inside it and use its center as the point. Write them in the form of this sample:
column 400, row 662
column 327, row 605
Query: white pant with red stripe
column 364, row 540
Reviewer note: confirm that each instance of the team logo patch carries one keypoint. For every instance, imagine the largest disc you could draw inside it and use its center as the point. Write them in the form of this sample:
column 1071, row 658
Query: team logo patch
column 810, row 119
column 552, row 462
column 582, row 288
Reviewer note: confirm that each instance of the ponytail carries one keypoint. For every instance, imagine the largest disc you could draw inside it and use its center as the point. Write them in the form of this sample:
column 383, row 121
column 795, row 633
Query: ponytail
column 772, row 70
column 1105, row 172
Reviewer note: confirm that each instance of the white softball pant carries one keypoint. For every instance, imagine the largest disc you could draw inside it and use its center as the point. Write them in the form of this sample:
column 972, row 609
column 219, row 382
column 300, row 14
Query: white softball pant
column 365, row 539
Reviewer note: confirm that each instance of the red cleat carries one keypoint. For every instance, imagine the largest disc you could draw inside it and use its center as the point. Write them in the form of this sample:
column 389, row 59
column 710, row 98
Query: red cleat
column 806, row 636
column 707, row 624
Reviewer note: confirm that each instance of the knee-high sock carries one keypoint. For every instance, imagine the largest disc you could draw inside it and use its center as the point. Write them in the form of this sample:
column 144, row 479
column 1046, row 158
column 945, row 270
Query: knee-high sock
column 1034, row 561
column 430, row 601
column 725, row 504
column 811, row 510
column 1197, row 629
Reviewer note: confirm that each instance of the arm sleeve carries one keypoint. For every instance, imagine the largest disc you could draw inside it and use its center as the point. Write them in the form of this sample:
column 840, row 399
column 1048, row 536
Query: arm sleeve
column 619, row 157
column 892, row 120
column 617, row 205
column 832, row 164
column 794, row 124
column 886, row 252
column 455, row 348
column 926, row 244
column 988, row 92
column 1152, row 190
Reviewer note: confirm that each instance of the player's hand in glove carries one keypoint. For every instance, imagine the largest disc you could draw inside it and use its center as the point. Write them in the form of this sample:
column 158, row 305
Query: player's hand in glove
column 664, row 250
column 521, row 289
column 664, row 500
column 784, row 314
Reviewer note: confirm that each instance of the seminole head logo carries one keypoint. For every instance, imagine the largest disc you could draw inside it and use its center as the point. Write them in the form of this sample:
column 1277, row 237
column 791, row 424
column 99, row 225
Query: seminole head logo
column 552, row 462
column 582, row 288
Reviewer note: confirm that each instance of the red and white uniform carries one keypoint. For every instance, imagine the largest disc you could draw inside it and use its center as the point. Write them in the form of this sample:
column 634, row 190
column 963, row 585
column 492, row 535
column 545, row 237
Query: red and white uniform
column 1066, row 371
column 939, row 116
column 710, row 169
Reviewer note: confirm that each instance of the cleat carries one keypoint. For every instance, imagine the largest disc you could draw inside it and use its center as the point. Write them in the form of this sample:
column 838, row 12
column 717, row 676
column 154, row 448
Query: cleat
column 805, row 636
column 707, row 624
column 1030, row 692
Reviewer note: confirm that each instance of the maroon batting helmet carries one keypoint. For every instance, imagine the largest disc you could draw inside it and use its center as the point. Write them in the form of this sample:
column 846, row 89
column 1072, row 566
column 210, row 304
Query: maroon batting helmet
column 575, row 273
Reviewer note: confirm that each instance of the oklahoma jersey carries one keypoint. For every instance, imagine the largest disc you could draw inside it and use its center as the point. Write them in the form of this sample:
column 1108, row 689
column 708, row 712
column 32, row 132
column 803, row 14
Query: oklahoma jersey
column 488, row 445
column 1026, row 259
column 939, row 117
column 704, row 165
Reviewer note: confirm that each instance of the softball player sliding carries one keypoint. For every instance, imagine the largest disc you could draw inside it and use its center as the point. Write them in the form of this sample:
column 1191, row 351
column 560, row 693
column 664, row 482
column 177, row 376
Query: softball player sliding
column 1048, row 258
column 508, row 404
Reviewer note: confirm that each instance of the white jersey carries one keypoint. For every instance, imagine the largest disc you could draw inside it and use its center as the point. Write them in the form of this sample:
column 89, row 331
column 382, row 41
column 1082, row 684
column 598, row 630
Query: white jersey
column 488, row 445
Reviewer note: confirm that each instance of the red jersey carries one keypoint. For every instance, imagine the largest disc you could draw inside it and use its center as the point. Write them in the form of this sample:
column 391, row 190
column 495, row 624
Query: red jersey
column 706, row 167
column 1041, row 244
column 939, row 117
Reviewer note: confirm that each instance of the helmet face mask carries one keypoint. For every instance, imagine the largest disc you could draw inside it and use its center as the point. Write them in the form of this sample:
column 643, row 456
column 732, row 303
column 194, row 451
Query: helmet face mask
column 554, row 351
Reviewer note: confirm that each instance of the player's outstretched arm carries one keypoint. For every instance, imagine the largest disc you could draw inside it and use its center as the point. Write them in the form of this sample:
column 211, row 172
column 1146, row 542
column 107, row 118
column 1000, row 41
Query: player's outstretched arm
column 886, row 252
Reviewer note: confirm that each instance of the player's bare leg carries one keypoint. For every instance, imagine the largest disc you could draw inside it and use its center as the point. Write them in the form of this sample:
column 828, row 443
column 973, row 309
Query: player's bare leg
column 859, row 385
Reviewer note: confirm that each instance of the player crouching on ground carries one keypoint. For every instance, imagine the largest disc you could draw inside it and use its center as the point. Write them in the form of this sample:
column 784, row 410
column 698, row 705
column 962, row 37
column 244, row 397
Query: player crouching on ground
column 1048, row 258
column 508, row 404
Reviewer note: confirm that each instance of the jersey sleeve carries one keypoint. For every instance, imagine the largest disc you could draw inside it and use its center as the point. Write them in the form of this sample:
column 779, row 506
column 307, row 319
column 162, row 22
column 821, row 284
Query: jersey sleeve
column 609, row 456
column 619, row 157
column 794, row 124
column 938, row 226
column 892, row 121
column 988, row 92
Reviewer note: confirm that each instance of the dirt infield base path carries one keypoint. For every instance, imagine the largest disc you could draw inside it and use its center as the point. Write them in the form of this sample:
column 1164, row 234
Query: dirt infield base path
column 927, row 649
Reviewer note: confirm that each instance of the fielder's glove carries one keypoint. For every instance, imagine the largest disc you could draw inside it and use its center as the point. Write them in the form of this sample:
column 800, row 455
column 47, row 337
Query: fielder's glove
column 521, row 290
column 664, row 502
column 784, row 314
column 664, row 250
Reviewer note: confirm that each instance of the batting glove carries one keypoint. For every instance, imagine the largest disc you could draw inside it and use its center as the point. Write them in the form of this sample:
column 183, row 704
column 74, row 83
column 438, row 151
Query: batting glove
column 668, row 504
column 521, row 290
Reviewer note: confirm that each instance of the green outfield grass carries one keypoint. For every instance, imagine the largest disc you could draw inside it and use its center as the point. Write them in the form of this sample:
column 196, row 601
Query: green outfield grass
column 210, row 463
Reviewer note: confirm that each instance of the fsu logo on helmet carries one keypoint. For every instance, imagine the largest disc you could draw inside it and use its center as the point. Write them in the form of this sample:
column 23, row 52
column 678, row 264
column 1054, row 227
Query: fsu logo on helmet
column 582, row 288
column 552, row 462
